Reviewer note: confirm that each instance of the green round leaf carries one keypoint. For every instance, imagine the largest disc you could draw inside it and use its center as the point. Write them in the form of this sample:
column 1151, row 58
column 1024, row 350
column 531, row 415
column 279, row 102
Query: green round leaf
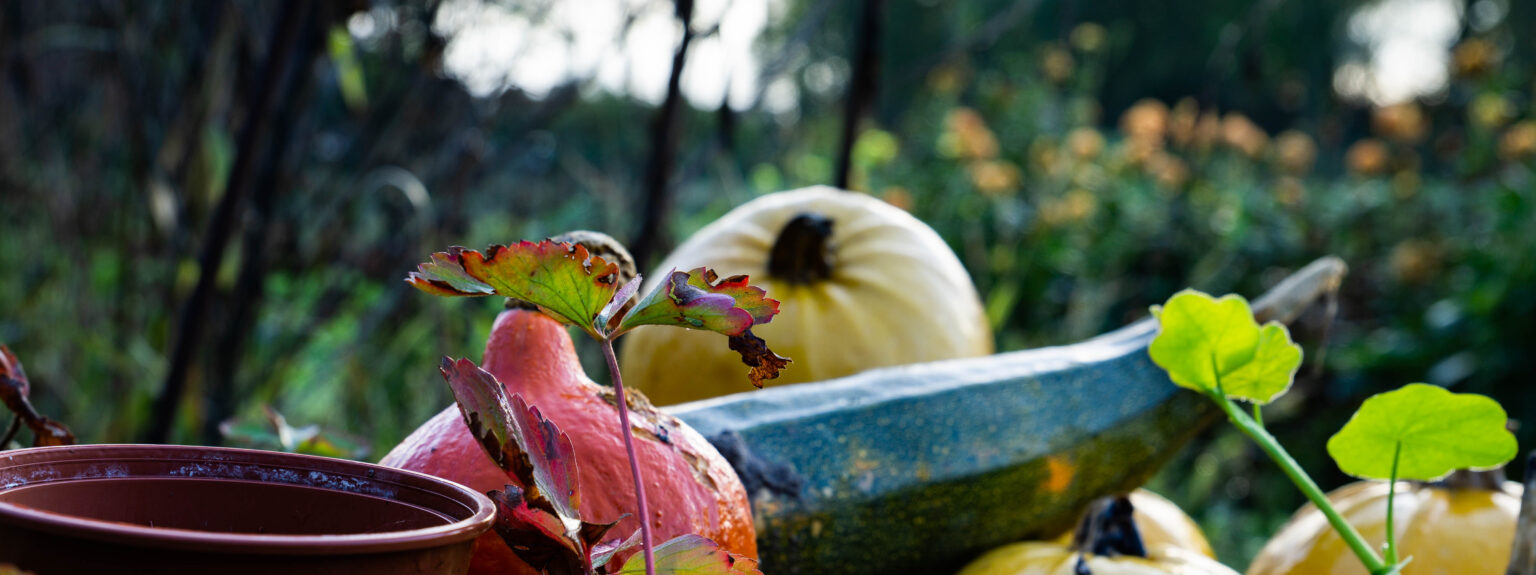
column 1438, row 431
column 1209, row 345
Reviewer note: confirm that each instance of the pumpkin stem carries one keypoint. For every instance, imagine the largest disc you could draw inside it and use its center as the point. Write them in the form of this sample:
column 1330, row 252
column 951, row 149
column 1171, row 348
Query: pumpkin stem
column 800, row 254
column 1488, row 480
column 1108, row 529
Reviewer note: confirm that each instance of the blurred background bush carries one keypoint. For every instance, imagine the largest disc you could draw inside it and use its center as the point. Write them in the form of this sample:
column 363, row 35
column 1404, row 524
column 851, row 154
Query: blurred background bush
column 208, row 207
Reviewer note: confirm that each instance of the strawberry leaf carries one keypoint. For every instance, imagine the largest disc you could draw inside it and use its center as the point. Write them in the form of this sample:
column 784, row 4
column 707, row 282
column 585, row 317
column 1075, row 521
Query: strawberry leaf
column 518, row 438
column 537, row 537
column 692, row 554
column 564, row 280
column 699, row 299
column 696, row 300
column 554, row 459
column 602, row 553
column 14, row 388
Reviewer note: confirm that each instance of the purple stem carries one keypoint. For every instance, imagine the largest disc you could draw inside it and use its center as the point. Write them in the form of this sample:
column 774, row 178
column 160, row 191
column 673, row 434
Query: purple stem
column 634, row 461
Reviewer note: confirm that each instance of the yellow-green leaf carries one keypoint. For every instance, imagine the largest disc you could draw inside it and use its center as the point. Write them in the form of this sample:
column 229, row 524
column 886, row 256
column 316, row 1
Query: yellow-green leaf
column 1214, row 345
column 563, row 280
column 691, row 554
column 1437, row 432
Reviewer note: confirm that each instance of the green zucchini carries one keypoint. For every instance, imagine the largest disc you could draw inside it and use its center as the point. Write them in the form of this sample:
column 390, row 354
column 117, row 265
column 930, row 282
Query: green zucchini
column 920, row 468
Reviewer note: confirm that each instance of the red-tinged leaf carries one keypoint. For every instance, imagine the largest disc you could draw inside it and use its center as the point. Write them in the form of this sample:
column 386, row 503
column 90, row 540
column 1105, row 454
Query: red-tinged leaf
column 696, row 300
column 563, row 280
column 538, row 537
column 483, row 403
column 14, row 388
column 694, row 555
column 616, row 306
column 602, row 553
column 553, row 457
column 754, row 300
column 445, row 275
column 755, row 353
column 10, row 368
column 518, row 438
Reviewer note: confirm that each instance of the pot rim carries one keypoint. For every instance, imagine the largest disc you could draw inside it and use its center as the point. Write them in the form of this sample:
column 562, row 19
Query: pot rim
column 455, row 531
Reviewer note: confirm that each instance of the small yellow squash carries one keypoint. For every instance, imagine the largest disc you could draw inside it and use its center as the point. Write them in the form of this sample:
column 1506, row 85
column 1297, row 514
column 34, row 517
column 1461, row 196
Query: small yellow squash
column 1160, row 523
column 1107, row 542
column 1464, row 525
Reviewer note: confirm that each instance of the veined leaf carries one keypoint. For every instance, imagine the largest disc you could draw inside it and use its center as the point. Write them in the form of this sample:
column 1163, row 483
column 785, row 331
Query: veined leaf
column 694, row 555
column 538, row 537
column 699, row 299
column 563, row 280
column 1429, row 430
column 1214, row 345
column 518, row 438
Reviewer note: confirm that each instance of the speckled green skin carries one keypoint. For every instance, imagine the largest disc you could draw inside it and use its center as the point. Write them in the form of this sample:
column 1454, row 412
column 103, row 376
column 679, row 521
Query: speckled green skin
column 919, row 469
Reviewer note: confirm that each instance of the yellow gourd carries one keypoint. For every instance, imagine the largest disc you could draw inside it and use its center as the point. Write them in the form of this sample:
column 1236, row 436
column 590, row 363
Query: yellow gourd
column 1160, row 523
column 1465, row 525
column 862, row 284
column 1106, row 543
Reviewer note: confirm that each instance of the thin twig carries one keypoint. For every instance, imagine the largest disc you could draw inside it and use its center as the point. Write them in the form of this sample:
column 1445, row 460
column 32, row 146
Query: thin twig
column 861, row 91
column 255, row 134
column 250, row 285
column 664, row 135
column 985, row 35
column 793, row 45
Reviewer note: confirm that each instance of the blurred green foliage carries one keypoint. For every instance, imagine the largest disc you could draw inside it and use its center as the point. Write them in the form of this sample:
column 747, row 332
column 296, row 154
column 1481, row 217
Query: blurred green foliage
column 1084, row 159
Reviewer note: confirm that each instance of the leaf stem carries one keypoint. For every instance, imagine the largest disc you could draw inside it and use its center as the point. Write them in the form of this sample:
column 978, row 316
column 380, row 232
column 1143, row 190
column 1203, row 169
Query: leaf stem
column 1271, row 446
column 10, row 432
column 1392, row 493
column 634, row 461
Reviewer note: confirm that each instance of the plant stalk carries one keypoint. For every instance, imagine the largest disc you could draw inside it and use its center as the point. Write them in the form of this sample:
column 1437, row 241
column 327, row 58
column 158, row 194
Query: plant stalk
column 1271, row 446
column 634, row 461
column 1392, row 494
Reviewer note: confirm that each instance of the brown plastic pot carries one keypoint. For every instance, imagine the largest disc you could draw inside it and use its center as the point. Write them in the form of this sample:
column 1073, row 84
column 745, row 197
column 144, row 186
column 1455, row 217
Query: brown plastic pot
column 179, row 509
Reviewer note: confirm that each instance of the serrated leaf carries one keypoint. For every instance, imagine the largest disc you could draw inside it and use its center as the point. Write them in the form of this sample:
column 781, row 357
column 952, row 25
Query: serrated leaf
column 563, row 280
column 764, row 363
column 694, row 555
column 602, row 553
column 699, row 299
column 538, row 537
column 621, row 297
column 445, row 275
column 554, row 458
column 1436, row 430
column 518, row 438
column 1206, row 343
column 14, row 389
column 694, row 300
